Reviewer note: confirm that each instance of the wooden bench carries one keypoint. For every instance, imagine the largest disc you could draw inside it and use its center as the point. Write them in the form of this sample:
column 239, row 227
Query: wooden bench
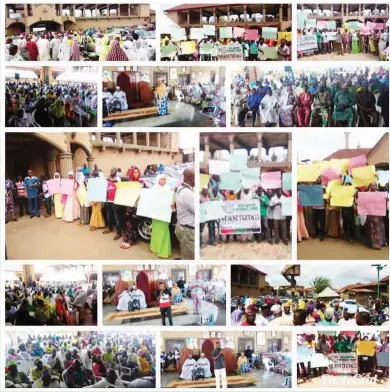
column 131, row 114
column 241, row 381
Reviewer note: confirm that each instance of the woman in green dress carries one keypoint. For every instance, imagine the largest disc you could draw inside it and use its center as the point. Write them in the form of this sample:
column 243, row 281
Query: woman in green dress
column 355, row 43
column 160, row 243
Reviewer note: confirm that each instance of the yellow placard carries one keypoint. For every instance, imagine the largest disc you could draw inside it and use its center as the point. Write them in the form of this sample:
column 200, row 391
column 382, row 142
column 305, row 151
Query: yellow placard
column 341, row 164
column 363, row 176
column 204, row 179
column 308, row 173
column 188, row 47
column 286, row 35
column 365, row 348
column 331, row 186
column 127, row 193
column 322, row 164
column 342, row 196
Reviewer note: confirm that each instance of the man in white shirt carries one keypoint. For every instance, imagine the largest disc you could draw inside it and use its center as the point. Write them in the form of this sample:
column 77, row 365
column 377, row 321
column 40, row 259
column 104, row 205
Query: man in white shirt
column 349, row 316
column 276, row 310
column 261, row 318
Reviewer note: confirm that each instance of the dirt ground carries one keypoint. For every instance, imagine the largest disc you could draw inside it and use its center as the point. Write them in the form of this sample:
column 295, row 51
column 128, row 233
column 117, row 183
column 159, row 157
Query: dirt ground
column 337, row 249
column 335, row 57
column 54, row 239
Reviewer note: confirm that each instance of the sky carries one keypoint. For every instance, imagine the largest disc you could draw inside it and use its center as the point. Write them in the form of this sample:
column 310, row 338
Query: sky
column 315, row 145
column 340, row 274
column 188, row 139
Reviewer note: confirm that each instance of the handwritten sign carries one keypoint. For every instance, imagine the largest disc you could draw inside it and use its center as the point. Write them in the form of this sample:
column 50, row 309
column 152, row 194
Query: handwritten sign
column 308, row 173
column 342, row 196
column 269, row 32
column 238, row 32
column 168, row 50
column 204, row 180
column 252, row 34
column 127, row 193
column 271, row 53
column 363, row 176
column 271, row 180
column 208, row 30
column 286, row 182
column 341, row 164
column 54, row 186
column 179, row 34
column 358, row 161
column 213, row 210
column 284, row 35
column 188, row 47
column 238, row 162
column 311, row 195
column 225, row 32
column 365, row 348
column 206, row 48
column 330, row 174
column 196, row 33
column 218, row 167
column 155, row 203
column 304, row 354
column 67, row 187
column 286, row 206
column 250, row 177
column 230, row 181
column 383, row 177
column 372, row 203
column 97, row 189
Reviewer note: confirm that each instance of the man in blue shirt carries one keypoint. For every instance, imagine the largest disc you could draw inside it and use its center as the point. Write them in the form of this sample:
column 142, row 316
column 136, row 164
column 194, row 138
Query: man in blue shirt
column 253, row 104
column 32, row 184
column 86, row 171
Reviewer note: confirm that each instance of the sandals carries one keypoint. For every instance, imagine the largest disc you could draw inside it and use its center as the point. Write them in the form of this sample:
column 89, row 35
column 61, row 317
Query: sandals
column 126, row 246
column 93, row 228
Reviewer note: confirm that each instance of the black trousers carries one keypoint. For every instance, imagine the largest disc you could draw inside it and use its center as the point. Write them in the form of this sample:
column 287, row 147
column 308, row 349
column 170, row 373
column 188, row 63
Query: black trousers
column 319, row 221
column 166, row 312
column 347, row 215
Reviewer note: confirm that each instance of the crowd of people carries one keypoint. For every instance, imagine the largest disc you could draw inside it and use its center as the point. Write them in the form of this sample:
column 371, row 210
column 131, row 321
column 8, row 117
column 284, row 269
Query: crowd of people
column 249, row 50
column 82, row 45
column 302, row 99
column 272, row 311
column 32, row 194
column 33, row 104
column 50, row 304
column 325, row 345
column 81, row 360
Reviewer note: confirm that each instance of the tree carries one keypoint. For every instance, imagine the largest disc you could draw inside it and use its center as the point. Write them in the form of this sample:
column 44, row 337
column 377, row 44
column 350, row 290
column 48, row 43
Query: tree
column 319, row 284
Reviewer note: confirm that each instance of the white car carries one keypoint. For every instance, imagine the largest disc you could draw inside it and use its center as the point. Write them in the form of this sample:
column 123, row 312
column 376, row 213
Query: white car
column 347, row 303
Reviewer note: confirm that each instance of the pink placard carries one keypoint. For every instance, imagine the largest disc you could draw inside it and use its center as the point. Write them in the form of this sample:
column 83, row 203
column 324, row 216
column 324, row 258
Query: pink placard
column 330, row 174
column 379, row 26
column 271, row 180
column 67, row 187
column 321, row 24
column 251, row 34
column 54, row 186
column 359, row 161
column 372, row 203
column 238, row 32
column 370, row 25
column 365, row 30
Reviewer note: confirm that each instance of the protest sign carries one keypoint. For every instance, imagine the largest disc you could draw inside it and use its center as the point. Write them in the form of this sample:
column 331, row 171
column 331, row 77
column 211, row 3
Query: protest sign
column 206, row 48
column 341, row 164
column 241, row 217
column 301, row 19
column 365, row 348
column 330, row 187
column 271, row 53
column 54, row 186
column 202, row 213
column 286, row 182
column 343, row 364
column 331, row 35
column 250, row 177
column 284, row 35
column 196, row 33
column 372, row 203
column 308, row 173
column 286, row 206
column 213, row 210
column 306, row 43
column 271, row 180
column 155, row 203
column 310, row 23
column 238, row 162
column 208, row 30
column 238, row 32
column 80, row 177
column 359, row 161
column 127, row 193
column 252, row 34
column 310, row 195
column 188, row 47
column 330, row 174
column 363, row 176
column 370, row 25
column 269, row 32
column 97, row 189
column 354, row 24
column 168, row 50
column 67, row 187
column 365, row 30
column 304, row 354
column 382, row 360
column 342, row 196
column 319, row 360
column 179, row 34
column 230, row 52
column 218, row 167
column 225, row 32
column 204, row 179
column 230, row 181
column 383, row 177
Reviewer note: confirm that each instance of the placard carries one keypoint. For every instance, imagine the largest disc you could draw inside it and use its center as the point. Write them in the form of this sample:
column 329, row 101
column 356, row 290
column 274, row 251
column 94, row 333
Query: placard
column 188, row 47
column 343, row 364
column 354, row 24
column 225, row 32
column 218, row 167
column 383, row 177
column 304, row 354
column 241, row 217
column 286, row 206
column 365, row 348
column 382, row 359
column 155, row 203
column 269, row 32
column 359, row 161
column 238, row 32
column 270, row 53
column 179, row 34
column 330, row 174
column 250, row 177
column 287, row 35
column 213, row 210
column 67, row 187
column 196, row 33
column 54, row 186
column 286, row 181
column 230, row 181
column 342, row 164
column 206, row 48
column 372, row 203
column 204, row 179
column 342, row 196
column 238, row 162
column 127, row 193
column 363, row 176
column 365, row 30
column 306, row 43
column 252, row 34
column 97, row 189
column 230, row 52
column 168, row 50
column 311, row 195
column 209, row 30
column 308, row 173
column 271, row 180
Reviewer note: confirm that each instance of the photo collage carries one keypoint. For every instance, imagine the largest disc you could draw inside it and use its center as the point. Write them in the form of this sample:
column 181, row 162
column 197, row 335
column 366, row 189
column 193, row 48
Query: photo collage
column 206, row 256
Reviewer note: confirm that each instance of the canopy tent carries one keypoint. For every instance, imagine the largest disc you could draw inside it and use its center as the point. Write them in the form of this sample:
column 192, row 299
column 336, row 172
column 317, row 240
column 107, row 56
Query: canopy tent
column 10, row 276
column 65, row 276
column 23, row 74
column 328, row 293
column 85, row 77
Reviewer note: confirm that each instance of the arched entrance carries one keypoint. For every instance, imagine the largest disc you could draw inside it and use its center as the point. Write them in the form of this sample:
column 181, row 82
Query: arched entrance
column 81, row 155
column 16, row 28
column 47, row 25
column 69, row 25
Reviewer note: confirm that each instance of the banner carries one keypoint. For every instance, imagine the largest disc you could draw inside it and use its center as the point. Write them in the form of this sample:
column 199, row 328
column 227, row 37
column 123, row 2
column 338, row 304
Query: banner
column 271, row 180
column 225, row 32
column 238, row 32
column 127, row 193
column 230, row 52
column 67, row 187
column 196, row 33
column 286, row 206
column 188, row 47
column 250, row 177
column 252, row 34
column 230, row 181
column 342, row 196
column 241, row 217
column 238, row 162
column 269, row 32
column 311, row 195
column 372, row 203
column 284, row 35
column 218, row 167
column 287, row 182
column 204, row 179
column 97, row 189
column 155, row 203
column 306, row 43
column 54, row 186
column 330, row 175
column 308, row 173
column 359, row 161
column 208, row 30
column 212, row 210
column 343, row 364
column 363, row 176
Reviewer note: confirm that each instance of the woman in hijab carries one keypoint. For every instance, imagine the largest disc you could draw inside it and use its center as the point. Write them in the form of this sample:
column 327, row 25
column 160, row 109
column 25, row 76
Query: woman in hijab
column 58, row 206
column 144, row 365
column 57, row 112
column 75, row 50
column 64, row 50
column 160, row 243
column 104, row 48
column 116, row 53
column 72, row 204
column 83, row 200
column 162, row 97
column 130, row 234
column 97, row 220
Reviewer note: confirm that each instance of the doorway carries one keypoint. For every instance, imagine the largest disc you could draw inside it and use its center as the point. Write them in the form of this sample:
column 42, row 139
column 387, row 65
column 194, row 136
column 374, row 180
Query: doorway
column 243, row 344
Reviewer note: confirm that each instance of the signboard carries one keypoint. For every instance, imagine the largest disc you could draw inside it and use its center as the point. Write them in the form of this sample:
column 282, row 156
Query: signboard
column 306, row 43
column 218, row 167
column 343, row 364
column 284, row 35
column 196, row 33
column 212, row 210
column 372, row 203
column 208, row 30
column 206, row 48
column 155, row 203
column 269, row 32
column 241, row 217
column 230, row 52
column 311, row 195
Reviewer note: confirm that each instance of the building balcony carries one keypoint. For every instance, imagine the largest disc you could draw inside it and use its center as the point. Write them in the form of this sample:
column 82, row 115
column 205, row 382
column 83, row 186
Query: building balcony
column 102, row 145
column 11, row 21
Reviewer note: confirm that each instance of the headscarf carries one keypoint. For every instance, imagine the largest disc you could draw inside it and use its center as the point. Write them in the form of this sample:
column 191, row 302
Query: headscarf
column 75, row 51
column 58, row 108
column 165, row 186
column 116, row 53
column 57, row 176
column 131, row 175
column 105, row 48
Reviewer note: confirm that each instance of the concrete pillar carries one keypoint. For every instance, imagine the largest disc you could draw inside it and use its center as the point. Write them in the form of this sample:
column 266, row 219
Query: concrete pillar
column 108, row 11
column 118, row 137
column 51, row 162
column 119, row 10
column 66, row 164
column 96, row 11
column 347, row 9
column 280, row 13
column 289, row 149
column 264, row 13
column 128, row 11
column 215, row 16
column 25, row 10
column 28, row 273
column 188, row 17
column 200, row 16
column 289, row 18
column 158, row 140
column 147, row 139
column 90, row 161
column 98, row 137
column 206, row 150
column 259, row 146
column 61, row 9
column 231, row 144
column 74, row 10
column 135, row 138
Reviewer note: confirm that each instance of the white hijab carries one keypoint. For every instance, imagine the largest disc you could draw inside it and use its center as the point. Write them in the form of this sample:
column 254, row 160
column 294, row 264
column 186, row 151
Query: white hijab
column 166, row 187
